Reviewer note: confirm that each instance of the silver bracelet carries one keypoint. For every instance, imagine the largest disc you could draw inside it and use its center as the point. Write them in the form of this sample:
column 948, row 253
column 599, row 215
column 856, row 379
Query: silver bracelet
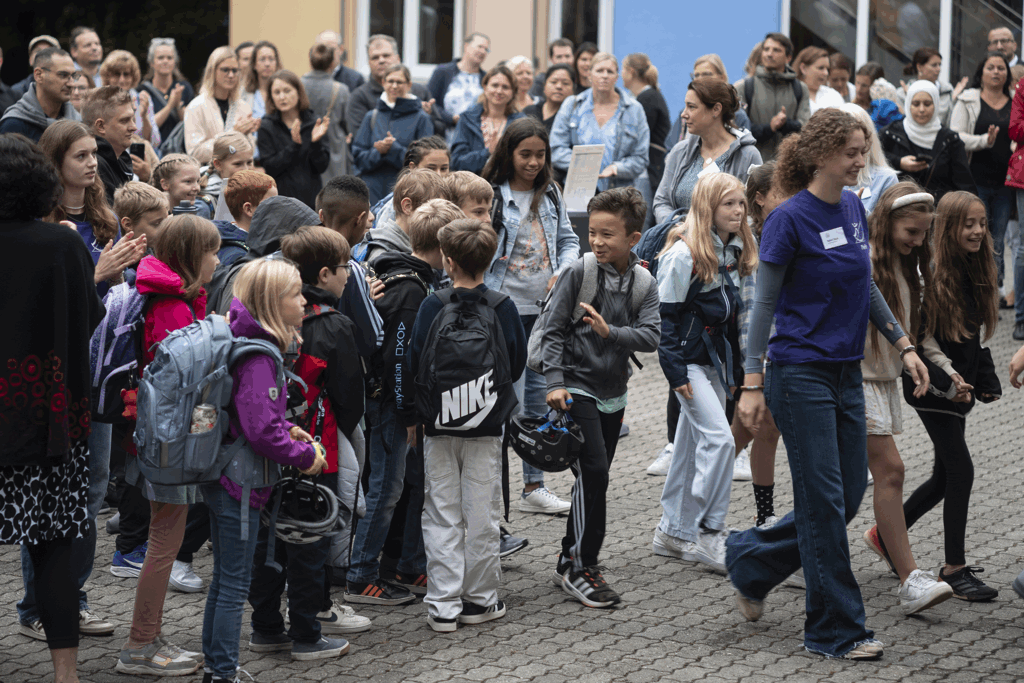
column 907, row 350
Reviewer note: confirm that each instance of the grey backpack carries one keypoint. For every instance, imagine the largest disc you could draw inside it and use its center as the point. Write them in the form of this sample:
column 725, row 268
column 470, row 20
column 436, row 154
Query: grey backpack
column 642, row 282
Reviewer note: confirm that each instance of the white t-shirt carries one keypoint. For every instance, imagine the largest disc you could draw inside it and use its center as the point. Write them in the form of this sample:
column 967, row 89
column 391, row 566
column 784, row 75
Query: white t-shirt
column 826, row 97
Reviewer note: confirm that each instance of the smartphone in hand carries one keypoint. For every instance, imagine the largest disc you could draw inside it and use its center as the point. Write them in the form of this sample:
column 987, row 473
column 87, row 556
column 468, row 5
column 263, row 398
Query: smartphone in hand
column 138, row 149
column 926, row 158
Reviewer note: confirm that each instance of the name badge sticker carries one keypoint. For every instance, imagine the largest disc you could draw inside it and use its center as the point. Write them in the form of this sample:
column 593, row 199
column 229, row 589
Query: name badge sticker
column 713, row 168
column 833, row 238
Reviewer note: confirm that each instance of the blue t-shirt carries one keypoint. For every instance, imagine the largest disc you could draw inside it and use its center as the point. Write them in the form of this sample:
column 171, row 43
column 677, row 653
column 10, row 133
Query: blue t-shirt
column 822, row 313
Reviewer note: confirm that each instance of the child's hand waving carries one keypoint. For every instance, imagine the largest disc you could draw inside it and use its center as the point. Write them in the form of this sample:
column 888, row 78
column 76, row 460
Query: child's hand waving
column 594, row 319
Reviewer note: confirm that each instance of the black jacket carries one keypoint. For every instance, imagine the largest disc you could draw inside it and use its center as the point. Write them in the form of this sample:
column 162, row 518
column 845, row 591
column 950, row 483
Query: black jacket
column 970, row 359
column 114, row 171
column 7, row 97
column 295, row 168
column 408, row 281
column 659, row 121
column 948, row 171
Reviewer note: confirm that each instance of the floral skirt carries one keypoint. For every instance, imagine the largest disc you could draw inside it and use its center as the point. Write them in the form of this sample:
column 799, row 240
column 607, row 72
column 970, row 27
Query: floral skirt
column 39, row 504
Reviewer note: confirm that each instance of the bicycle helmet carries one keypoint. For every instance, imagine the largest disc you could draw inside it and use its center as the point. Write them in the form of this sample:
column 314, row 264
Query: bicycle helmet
column 301, row 511
column 551, row 445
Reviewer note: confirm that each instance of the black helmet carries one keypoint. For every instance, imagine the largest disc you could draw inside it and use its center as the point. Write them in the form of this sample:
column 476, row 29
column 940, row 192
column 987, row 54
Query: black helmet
column 301, row 511
column 551, row 445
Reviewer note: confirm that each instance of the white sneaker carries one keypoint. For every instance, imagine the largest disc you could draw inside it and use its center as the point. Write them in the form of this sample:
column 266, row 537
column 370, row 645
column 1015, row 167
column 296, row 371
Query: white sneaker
column 342, row 619
column 670, row 546
column 921, row 591
column 543, row 502
column 741, row 468
column 91, row 625
column 768, row 522
column 184, row 579
column 659, row 468
column 871, row 478
column 710, row 550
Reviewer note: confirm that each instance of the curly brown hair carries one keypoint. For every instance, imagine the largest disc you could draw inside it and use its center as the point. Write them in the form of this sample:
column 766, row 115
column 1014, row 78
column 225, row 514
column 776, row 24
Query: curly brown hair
column 822, row 137
column 945, row 311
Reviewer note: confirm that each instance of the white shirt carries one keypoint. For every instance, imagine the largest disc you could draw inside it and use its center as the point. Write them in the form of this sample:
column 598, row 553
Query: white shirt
column 826, row 97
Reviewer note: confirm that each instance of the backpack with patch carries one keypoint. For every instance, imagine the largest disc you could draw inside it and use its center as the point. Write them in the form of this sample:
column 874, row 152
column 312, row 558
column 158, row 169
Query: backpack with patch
column 653, row 241
column 114, row 351
column 642, row 283
column 464, row 376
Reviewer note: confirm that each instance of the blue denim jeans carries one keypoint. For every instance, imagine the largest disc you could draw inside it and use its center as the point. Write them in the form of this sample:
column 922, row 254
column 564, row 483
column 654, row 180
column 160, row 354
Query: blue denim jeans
column 533, row 403
column 819, row 408
column 414, row 556
column 83, row 550
column 232, row 573
column 998, row 207
column 387, row 459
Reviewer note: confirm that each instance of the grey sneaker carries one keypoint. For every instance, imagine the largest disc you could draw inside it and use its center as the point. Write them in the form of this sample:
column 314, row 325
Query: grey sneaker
column 869, row 649
column 278, row 642
column 155, row 660
column 91, row 625
column 325, row 648
column 33, row 630
column 175, row 650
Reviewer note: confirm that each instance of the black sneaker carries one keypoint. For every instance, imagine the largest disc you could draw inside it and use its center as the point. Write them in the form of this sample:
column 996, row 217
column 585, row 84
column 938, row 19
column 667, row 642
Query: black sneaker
column 416, row 584
column 561, row 567
column 379, row 592
column 1018, row 331
column 473, row 613
column 511, row 544
column 589, row 587
column 967, row 586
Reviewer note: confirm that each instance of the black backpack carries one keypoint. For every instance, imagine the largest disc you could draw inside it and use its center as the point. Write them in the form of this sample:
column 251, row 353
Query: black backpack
column 464, row 376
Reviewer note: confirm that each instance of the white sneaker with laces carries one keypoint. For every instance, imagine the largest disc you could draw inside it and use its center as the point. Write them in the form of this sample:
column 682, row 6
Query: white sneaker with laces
column 670, row 546
column 543, row 502
column 659, row 468
column 33, row 630
column 741, row 468
column 920, row 591
column 709, row 549
column 184, row 579
column 91, row 625
column 342, row 619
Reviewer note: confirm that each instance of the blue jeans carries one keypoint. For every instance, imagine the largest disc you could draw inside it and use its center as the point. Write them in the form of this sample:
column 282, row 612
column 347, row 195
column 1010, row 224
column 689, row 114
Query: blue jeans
column 998, row 206
column 534, row 403
column 414, row 556
column 387, row 460
column 819, row 408
column 232, row 573
column 83, row 550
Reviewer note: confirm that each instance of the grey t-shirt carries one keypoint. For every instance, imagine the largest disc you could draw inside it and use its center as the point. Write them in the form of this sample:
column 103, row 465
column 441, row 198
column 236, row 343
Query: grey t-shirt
column 529, row 265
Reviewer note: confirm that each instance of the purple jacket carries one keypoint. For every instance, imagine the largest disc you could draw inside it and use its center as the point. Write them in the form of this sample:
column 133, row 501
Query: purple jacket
column 258, row 407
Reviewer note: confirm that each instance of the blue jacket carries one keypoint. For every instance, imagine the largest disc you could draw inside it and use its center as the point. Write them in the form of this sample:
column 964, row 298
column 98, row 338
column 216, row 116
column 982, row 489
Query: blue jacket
column 406, row 122
column 438, row 84
column 692, row 319
column 575, row 125
column 229, row 253
column 469, row 153
column 563, row 244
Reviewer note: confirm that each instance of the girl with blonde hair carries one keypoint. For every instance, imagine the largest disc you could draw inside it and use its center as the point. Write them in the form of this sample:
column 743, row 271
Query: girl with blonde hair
column 217, row 108
column 700, row 273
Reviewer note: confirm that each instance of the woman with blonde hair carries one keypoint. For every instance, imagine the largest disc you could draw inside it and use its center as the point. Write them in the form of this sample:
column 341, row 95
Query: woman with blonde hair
column 700, row 273
column 217, row 108
column 522, row 68
column 876, row 176
column 120, row 68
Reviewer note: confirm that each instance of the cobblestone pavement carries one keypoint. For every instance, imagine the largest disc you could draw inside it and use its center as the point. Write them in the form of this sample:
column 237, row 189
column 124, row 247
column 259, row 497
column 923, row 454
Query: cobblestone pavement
column 677, row 622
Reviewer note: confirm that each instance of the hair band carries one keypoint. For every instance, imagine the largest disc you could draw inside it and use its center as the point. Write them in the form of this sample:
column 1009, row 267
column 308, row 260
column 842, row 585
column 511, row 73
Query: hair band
column 914, row 198
column 231, row 149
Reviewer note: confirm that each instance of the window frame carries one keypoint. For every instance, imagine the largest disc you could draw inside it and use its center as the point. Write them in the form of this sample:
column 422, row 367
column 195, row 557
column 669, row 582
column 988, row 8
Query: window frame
column 410, row 37
column 605, row 23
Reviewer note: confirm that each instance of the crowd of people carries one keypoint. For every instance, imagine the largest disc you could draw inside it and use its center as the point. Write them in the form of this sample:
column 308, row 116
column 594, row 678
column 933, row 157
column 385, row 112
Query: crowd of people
column 800, row 249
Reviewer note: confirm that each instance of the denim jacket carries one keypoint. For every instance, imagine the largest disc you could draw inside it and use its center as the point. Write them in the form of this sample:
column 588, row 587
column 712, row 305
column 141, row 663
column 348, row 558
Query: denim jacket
column 575, row 125
column 563, row 244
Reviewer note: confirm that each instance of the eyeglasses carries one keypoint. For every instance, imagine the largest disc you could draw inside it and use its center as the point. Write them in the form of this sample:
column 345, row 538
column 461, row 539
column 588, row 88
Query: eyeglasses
column 62, row 75
column 346, row 266
column 392, row 82
column 227, row 70
column 697, row 75
column 1001, row 41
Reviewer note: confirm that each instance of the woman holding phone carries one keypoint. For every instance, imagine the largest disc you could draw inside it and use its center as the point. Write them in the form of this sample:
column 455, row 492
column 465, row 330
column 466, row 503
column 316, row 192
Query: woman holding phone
column 929, row 153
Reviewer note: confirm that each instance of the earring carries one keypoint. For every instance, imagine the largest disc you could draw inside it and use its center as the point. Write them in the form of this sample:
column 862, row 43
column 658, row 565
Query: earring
column 815, row 173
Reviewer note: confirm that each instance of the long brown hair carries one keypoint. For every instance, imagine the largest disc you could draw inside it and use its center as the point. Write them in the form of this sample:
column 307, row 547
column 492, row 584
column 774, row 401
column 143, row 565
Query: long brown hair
column 182, row 243
column 500, row 70
column 696, row 229
column 887, row 261
column 945, row 310
column 55, row 143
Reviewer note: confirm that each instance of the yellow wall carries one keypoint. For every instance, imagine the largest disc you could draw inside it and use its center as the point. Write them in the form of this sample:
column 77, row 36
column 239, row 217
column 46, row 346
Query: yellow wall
column 290, row 25
column 508, row 23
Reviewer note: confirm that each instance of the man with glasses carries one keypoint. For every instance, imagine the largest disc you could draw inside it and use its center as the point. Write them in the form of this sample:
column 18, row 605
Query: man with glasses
column 1001, row 40
column 47, row 99
column 87, row 52
column 456, row 86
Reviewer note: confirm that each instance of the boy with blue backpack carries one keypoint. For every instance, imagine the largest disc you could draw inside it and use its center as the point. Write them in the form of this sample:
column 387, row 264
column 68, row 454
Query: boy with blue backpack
column 468, row 347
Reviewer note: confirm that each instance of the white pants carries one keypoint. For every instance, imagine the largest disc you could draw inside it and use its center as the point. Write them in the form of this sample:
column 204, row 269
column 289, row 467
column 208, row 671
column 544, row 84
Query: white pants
column 699, row 479
column 461, row 513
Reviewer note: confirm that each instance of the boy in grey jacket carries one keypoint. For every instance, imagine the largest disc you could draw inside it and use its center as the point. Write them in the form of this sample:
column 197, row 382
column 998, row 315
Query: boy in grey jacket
column 586, row 365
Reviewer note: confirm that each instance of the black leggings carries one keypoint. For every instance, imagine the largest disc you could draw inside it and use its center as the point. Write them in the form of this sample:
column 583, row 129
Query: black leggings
column 950, row 483
column 58, row 599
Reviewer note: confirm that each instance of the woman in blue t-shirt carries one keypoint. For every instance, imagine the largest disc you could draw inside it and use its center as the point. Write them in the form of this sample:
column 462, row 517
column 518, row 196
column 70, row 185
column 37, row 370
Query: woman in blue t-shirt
column 815, row 274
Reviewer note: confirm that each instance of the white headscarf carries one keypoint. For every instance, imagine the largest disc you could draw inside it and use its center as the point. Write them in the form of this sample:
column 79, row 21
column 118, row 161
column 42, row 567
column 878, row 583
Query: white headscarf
column 922, row 136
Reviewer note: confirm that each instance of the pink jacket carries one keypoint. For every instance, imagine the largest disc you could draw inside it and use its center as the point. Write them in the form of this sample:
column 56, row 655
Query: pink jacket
column 1015, row 172
column 168, row 310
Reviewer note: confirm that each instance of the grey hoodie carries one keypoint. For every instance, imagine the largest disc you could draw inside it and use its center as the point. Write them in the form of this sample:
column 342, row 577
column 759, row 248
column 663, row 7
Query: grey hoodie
column 576, row 357
column 740, row 155
column 388, row 237
column 29, row 110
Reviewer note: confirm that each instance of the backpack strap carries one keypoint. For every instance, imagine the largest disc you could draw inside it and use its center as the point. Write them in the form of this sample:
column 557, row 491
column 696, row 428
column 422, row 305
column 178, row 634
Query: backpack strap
column 494, row 298
column 642, row 283
column 373, row 119
column 396, row 277
column 588, row 287
column 798, row 93
column 748, row 90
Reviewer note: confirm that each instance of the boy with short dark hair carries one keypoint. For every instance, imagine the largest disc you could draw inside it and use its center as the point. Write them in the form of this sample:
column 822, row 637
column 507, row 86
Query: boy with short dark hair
column 391, row 419
column 244, row 191
column 471, row 193
column 333, row 407
column 463, row 427
column 586, row 365
column 413, row 189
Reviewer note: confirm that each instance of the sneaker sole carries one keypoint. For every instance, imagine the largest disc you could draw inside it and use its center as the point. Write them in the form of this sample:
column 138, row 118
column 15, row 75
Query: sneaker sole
column 107, row 630
column 540, row 510
column 665, row 551
column 575, row 594
column 145, row 670
column 334, row 629
column 557, row 578
column 126, row 572
column 857, row 655
column 966, row 598
column 513, row 551
column 708, row 562
column 867, row 540
column 443, row 626
column 481, row 618
column 930, row 600
column 31, row 633
column 320, row 654
column 742, row 476
column 184, row 587
column 270, row 647
column 360, row 599
column 657, row 474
